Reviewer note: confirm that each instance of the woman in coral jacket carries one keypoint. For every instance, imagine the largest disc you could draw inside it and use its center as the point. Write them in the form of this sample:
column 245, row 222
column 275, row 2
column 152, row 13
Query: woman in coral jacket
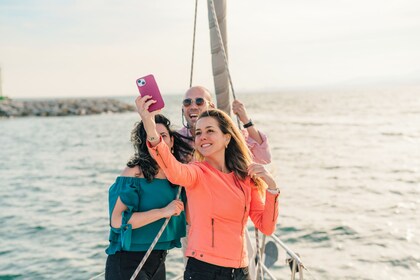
column 223, row 188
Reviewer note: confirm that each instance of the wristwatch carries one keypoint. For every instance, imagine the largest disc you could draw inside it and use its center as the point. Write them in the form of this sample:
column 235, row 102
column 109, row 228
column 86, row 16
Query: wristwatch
column 248, row 124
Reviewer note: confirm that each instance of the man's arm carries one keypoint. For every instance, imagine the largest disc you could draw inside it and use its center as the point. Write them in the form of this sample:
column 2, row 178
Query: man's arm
column 256, row 141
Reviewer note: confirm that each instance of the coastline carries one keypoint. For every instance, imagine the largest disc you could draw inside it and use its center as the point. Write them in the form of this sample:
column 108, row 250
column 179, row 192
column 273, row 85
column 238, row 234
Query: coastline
column 62, row 107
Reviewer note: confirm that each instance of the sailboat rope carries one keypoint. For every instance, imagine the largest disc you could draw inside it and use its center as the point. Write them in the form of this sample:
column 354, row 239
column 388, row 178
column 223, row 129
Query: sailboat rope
column 222, row 46
column 219, row 36
column 149, row 251
column 139, row 267
column 193, row 46
column 258, row 257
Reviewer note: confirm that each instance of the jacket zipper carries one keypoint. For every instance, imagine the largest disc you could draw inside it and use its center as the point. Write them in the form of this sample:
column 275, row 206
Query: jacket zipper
column 275, row 205
column 242, row 234
column 243, row 218
column 212, row 232
column 157, row 153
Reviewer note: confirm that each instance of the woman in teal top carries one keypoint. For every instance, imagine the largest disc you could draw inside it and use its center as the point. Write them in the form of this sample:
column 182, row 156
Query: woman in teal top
column 139, row 201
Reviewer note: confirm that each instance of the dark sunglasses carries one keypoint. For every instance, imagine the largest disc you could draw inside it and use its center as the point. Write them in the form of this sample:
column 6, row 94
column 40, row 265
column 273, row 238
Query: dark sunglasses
column 188, row 101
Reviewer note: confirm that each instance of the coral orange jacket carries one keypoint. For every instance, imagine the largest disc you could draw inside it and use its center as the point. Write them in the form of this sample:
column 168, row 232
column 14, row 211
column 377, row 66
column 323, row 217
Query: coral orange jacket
column 219, row 206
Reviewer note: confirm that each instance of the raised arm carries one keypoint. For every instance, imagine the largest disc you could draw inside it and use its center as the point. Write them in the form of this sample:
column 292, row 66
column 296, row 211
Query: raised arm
column 178, row 173
column 256, row 141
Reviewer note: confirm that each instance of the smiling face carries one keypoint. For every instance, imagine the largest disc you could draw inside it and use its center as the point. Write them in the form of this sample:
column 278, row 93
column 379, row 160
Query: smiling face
column 167, row 138
column 192, row 110
column 210, row 141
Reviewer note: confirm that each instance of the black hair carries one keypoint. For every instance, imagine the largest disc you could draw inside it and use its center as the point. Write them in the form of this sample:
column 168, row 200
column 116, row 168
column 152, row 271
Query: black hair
column 181, row 149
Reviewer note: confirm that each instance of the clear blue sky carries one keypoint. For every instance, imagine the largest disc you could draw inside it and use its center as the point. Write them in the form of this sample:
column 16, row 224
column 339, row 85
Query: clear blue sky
column 99, row 47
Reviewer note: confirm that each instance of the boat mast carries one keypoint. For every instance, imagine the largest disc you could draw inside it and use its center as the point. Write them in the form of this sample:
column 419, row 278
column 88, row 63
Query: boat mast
column 220, row 73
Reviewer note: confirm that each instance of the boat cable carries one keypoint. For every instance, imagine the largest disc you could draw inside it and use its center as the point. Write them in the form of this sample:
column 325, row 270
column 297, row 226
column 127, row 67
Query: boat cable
column 260, row 254
column 219, row 36
column 258, row 259
column 193, row 46
column 133, row 277
column 295, row 258
column 97, row 276
column 222, row 46
column 146, row 256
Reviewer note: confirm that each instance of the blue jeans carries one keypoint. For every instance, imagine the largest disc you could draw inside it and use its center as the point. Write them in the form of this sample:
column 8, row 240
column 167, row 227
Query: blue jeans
column 122, row 265
column 198, row 270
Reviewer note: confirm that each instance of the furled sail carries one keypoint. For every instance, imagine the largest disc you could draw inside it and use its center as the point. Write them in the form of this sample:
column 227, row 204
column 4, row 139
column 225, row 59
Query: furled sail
column 220, row 73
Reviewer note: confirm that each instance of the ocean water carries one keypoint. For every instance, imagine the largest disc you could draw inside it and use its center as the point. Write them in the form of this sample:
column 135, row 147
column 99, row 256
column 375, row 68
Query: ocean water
column 347, row 162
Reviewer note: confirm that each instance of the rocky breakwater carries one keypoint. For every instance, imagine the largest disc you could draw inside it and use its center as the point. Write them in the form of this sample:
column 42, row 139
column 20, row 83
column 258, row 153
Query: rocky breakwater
column 62, row 107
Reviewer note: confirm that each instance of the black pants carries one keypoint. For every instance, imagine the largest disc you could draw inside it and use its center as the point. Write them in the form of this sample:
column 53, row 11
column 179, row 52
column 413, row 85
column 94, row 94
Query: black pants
column 198, row 270
column 122, row 265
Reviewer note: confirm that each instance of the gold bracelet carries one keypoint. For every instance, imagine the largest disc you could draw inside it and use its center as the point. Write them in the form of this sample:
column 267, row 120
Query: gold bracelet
column 152, row 139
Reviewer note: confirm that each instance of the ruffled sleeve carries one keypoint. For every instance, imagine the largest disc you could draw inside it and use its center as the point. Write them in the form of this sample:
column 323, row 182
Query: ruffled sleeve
column 127, row 190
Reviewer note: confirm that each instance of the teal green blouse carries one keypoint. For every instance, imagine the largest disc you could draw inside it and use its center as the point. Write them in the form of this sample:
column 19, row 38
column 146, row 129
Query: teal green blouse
column 139, row 196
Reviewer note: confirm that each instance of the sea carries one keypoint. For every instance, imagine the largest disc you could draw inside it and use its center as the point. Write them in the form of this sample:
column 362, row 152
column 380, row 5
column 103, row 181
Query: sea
column 347, row 163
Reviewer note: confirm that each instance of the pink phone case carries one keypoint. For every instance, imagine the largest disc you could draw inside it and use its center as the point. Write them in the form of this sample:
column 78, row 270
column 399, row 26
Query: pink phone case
column 147, row 86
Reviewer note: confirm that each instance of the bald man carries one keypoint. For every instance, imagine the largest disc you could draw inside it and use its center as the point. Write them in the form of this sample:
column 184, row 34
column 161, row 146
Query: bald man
column 198, row 98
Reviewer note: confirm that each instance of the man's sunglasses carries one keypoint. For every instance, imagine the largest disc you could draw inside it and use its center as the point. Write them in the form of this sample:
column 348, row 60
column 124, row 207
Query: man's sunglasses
column 188, row 101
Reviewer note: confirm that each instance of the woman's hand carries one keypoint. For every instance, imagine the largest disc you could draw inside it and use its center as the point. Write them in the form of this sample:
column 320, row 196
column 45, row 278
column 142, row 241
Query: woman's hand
column 173, row 209
column 148, row 118
column 143, row 104
column 256, row 170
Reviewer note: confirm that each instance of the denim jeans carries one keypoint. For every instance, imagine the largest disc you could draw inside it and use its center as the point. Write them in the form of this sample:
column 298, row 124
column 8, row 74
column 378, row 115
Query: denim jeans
column 198, row 270
column 122, row 265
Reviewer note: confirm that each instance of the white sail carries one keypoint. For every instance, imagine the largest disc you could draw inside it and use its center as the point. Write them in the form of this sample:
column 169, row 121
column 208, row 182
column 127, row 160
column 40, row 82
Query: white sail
column 220, row 73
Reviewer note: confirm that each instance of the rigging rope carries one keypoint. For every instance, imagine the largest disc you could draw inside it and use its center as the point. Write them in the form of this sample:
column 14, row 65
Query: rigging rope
column 258, row 259
column 97, row 276
column 193, row 46
column 222, row 46
column 154, row 242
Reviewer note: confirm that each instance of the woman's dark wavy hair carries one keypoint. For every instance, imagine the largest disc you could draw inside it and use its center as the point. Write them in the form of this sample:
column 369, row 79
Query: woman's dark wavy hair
column 181, row 150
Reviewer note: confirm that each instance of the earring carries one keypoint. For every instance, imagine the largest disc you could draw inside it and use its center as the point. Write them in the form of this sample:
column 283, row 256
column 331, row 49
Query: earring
column 172, row 150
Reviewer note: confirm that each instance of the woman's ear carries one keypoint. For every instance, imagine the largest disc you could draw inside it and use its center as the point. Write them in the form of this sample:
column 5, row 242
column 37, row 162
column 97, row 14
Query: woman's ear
column 172, row 142
column 227, row 139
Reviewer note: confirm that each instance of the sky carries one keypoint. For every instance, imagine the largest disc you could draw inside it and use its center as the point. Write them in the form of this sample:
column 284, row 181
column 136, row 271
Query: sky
column 67, row 48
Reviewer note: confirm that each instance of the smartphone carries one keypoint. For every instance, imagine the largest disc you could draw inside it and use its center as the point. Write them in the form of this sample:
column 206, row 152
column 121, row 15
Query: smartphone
column 147, row 86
